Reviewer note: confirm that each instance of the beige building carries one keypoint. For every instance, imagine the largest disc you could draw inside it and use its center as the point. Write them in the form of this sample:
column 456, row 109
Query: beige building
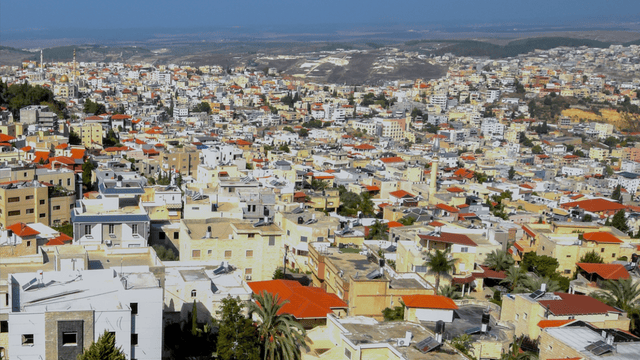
column 256, row 249
column 32, row 201
column 530, row 314
column 183, row 160
column 90, row 133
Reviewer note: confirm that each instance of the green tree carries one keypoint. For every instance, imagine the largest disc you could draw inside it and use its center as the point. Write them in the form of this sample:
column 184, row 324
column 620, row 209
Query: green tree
column 533, row 284
column 449, row 291
column 499, row 260
column 378, row 231
column 366, row 204
column 278, row 274
column 587, row 218
column 74, row 139
column 194, row 319
column 87, row 169
column 619, row 221
column 623, row 293
column 394, row 314
column 542, row 265
column 303, row 132
column 536, row 149
column 203, row 107
column 407, row 220
column 439, row 263
column 284, row 148
column 91, row 107
column 591, row 257
column 516, row 353
column 515, row 276
column 281, row 335
column 512, row 173
column 463, row 343
column 617, row 193
column 238, row 337
column 103, row 349
column 164, row 253
column 318, row 185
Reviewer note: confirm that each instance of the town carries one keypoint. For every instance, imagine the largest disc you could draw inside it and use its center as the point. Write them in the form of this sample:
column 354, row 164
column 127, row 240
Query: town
column 178, row 210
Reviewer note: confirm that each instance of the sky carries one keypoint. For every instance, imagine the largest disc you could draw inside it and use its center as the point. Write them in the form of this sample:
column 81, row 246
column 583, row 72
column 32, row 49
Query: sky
column 22, row 15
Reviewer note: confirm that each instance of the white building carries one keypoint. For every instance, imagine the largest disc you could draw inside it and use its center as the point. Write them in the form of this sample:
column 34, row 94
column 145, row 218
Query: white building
column 629, row 181
column 55, row 315
column 221, row 154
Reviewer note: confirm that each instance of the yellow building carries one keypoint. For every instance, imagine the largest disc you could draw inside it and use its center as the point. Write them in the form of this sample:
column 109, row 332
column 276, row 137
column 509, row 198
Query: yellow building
column 530, row 314
column 90, row 133
column 364, row 285
column 33, row 202
column 256, row 250
column 598, row 153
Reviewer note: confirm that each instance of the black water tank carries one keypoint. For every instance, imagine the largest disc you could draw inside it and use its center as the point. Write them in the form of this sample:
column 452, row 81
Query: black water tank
column 439, row 327
column 381, row 262
column 486, row 317
column 634, row 258
column 9, row 233
column 300, row 220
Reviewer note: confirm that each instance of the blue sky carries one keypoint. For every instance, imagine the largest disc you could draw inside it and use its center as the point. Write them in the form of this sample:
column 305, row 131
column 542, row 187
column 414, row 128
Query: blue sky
column 20, row 15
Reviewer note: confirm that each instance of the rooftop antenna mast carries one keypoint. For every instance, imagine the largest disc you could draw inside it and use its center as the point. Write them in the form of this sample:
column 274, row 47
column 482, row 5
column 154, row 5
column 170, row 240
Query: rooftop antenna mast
column 74, row 67
column 41, row 63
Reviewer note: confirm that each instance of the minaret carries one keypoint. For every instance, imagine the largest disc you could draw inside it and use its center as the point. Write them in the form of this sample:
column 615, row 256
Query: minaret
column 432, row 184
column 41, row 63
column 74, row 67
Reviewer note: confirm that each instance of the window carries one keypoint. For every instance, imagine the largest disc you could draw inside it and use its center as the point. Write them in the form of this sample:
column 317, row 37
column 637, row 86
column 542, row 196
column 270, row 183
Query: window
column 112, row 229
column 43, row 215
column 87, row 229
column 27, row 339
column 134, row 308
column 13, row 199
column 195, row 253
column 567, row 271
column 60, row 182
column 57, row 207
column 613, row 255
column 176, row 235
column 288, row 232
column 4, row 326
column 29, row 243
column 249, row 253
column 69, row 339
column 524, row 316
column 303, row 239
column 347, row 353
column 543, row 247
column 568, row 255
column 134, row 339
column 29, row 197
column 134, row 229
column 272, row 240
column 193, row 293
column 517, row 317
column 209, row 252
column 248, row 271
column 251, row 236
column 42, row 202
column 14, row 213
column 227, row 254
column 29, row 211
column 602, row 250
column 162, row 235
column 464, row 249
column 69, row 182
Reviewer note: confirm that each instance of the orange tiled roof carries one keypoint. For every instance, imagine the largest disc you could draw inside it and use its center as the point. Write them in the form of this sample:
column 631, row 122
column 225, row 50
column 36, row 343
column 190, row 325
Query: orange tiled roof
column 606, row 271
column 543, row 324
column 601, row 237
column 22, row 230
column 429, row 302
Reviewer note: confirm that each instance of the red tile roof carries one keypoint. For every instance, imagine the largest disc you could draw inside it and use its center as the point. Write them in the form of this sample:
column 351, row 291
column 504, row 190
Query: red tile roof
column 429, row 302
column 392, row 224
column 372, row 188
column 303, row 301
column 5, row 138
column 455, row 189
column 391, row 160
column 601, row 237
column 606, row 271
column 543, row 324
column 400, row 194
column 446, row 207
column 491, row 274
column 364, row 147
column 22, row 230
column 595, row 205
column 450, row 238
column 571, row 304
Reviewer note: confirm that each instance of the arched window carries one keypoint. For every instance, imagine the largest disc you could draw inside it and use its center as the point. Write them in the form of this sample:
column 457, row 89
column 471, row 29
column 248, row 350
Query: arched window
column 193, row 293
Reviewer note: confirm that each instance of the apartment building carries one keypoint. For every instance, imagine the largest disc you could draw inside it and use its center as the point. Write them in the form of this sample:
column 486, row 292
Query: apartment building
column 256, row 248
column 90, row 133
column 59, row 314
column 33, row 201
column 117, row 218
column 184, row 161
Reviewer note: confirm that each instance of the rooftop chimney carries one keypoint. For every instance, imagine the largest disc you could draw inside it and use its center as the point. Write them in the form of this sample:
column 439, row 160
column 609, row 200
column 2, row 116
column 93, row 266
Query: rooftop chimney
column 439, row 330
column 207, row 235
column 486, row 317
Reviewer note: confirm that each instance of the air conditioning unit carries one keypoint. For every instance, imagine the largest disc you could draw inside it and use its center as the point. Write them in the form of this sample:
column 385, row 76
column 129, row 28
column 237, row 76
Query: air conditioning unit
column 247, row 277
column 402, row 342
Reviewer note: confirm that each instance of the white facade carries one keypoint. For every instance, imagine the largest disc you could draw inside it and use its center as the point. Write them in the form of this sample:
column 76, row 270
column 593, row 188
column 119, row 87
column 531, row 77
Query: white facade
column 434, row 315
column 128, row 304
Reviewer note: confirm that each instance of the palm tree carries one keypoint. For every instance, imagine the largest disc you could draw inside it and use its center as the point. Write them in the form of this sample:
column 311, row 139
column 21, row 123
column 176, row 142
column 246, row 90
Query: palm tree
column 514, row 352
column 439, row 263
column 620, row 293
column 449, row 291
column 318, row 185
column 499, row 260
column 533, row 284
column 282, row 336
column 515, row 276
column 378, row 231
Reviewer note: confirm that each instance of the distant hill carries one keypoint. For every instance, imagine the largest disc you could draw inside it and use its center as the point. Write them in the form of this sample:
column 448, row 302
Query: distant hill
column 636, row 42
column 9, row 48
column 513, row 48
